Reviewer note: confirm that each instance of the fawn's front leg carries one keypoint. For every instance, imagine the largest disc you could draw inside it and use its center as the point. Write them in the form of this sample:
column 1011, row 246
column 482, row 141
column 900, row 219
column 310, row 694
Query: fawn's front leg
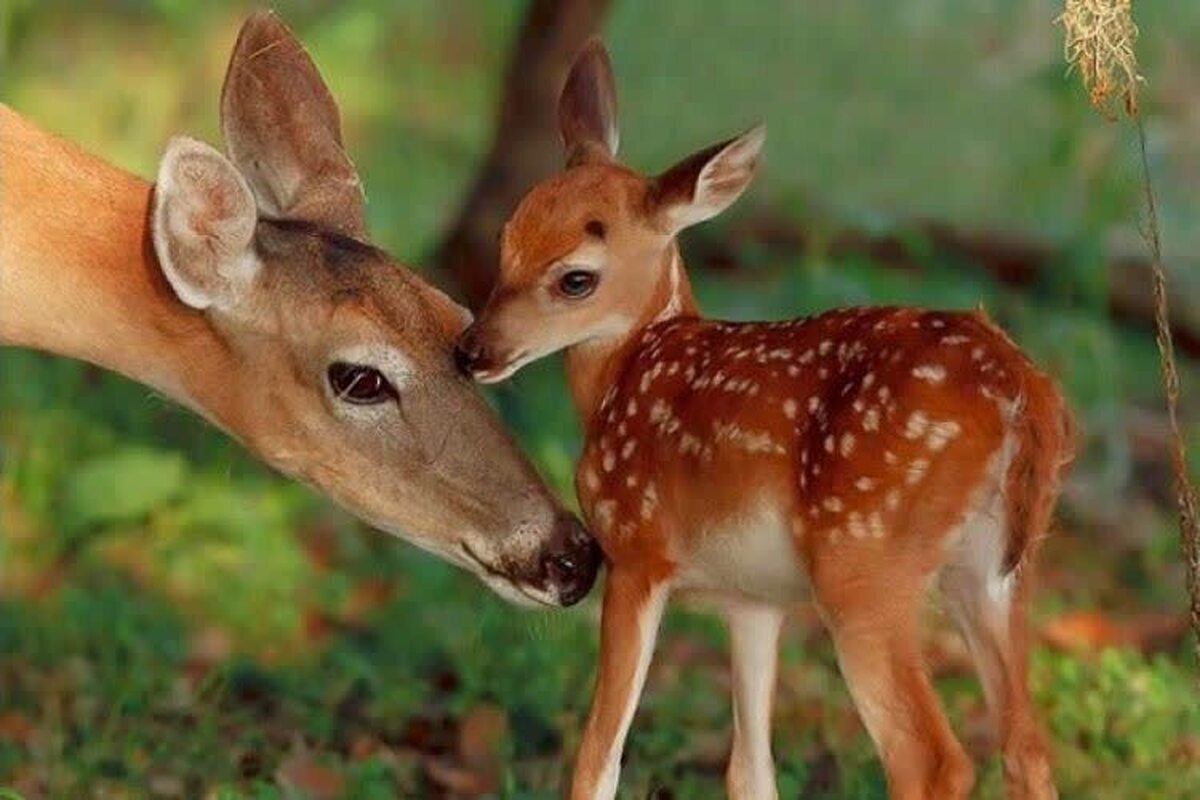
column 633, row 608
column 754, row 644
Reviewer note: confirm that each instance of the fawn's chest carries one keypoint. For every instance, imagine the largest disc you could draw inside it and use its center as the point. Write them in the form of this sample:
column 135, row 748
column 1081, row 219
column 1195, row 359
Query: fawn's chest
column 690, row 460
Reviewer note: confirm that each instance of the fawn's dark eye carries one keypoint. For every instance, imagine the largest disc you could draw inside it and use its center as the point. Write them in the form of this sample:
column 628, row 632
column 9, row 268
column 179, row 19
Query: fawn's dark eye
column 359, row 385
column 577, row 283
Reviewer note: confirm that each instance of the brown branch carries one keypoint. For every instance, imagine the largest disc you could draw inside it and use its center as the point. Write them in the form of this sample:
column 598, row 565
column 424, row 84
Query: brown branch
column 526, row 146
column 1009, row 259
column 1189, row 515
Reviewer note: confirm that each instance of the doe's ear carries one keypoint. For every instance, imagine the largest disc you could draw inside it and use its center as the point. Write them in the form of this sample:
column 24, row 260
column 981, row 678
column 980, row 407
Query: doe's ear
column 283, row 131
column 706, row 183
column 587, row 108
column 203, row 223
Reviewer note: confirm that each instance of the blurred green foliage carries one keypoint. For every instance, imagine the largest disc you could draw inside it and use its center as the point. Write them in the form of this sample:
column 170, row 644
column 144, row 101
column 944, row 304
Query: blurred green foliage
column 131, row 530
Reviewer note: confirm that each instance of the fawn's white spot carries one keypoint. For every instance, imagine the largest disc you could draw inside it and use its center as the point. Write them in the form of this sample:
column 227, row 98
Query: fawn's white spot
column 649, row 501
column 916, row 425
column 940, row 433
column 605, row 511
column 933, row 373
column 590, row 479
column 916, row 471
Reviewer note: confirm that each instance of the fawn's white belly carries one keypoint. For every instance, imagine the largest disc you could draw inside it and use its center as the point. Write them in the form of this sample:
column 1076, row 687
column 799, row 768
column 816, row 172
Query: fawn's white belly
column 750, row 554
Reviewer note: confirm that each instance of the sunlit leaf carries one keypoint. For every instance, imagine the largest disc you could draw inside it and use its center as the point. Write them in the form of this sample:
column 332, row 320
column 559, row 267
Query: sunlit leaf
column 123, row 487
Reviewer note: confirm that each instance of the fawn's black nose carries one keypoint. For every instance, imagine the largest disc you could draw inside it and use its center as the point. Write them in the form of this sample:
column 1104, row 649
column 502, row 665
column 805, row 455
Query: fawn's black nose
column 571, row 561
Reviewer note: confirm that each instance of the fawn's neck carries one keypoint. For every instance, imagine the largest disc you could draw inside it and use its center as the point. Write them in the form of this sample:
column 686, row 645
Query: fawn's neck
column 595, row 365
column 79, row 278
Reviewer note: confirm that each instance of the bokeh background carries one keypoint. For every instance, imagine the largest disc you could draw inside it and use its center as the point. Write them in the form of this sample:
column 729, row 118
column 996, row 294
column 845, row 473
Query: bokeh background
column 177, row 621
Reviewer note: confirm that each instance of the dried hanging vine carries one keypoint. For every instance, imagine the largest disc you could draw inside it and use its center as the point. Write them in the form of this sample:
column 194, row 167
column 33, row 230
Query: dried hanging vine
column 1100, row 36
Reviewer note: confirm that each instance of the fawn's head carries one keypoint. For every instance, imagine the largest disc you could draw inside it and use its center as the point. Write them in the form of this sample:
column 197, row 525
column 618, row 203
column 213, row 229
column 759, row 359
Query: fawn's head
column 343, row 373
column 590, row 251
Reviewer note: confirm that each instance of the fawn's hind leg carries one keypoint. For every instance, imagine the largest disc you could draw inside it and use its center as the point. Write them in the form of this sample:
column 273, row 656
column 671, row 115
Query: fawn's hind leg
column 876, row 632
column 989, row 608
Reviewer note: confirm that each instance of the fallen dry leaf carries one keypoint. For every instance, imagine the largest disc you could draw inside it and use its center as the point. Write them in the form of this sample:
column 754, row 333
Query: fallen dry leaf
column 300, row 773
column 366, row 596
column 15, row 726
column 459, row 780
column 482, row 736
column 1094, row 630
column 364, row 746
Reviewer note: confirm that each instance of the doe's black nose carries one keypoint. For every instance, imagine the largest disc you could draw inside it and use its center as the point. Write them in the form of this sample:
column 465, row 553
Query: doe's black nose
column 571, row 563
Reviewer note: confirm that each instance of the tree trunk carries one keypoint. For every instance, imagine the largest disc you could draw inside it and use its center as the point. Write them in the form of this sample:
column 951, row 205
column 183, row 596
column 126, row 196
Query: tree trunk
column 525, row 145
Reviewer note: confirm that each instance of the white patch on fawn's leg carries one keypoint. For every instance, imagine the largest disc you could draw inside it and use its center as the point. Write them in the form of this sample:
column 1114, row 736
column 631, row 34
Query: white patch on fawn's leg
column 754, row 642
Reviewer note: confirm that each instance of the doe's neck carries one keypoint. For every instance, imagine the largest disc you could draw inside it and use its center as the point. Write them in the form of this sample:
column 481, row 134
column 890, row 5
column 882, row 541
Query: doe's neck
column 79, row 277
column 593, row 366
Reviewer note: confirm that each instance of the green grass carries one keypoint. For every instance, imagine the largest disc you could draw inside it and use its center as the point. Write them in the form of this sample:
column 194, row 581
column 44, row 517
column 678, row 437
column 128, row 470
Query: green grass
column 134, row 536
column 172, row 532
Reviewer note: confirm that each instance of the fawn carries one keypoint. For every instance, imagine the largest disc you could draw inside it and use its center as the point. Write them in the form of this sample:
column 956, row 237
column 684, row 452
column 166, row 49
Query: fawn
column 853, row 457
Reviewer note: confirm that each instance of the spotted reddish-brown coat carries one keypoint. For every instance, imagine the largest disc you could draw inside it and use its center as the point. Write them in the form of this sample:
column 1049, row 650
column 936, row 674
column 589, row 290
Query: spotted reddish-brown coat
column 853, row 420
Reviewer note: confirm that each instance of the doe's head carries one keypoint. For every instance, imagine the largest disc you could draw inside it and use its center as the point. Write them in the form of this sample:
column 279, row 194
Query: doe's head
column 339, row 366
column 588, row 250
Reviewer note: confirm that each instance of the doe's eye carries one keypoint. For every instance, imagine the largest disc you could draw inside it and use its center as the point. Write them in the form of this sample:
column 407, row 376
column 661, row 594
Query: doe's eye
column 359, row 385
column 577, row 283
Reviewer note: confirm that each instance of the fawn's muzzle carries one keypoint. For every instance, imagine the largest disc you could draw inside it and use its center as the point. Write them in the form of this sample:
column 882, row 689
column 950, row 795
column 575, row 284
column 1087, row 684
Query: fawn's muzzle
column 469, row 354
column 477, row 356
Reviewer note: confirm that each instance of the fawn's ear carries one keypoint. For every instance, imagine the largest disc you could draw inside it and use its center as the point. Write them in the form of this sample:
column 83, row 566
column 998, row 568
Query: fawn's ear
column 706, row 183
column 203, row 224
column 587, row 108
column 283, row 131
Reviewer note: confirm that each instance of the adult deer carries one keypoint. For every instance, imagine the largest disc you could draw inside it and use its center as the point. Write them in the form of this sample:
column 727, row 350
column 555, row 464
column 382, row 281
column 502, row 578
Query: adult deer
column 855, row 457
column 244, row 288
